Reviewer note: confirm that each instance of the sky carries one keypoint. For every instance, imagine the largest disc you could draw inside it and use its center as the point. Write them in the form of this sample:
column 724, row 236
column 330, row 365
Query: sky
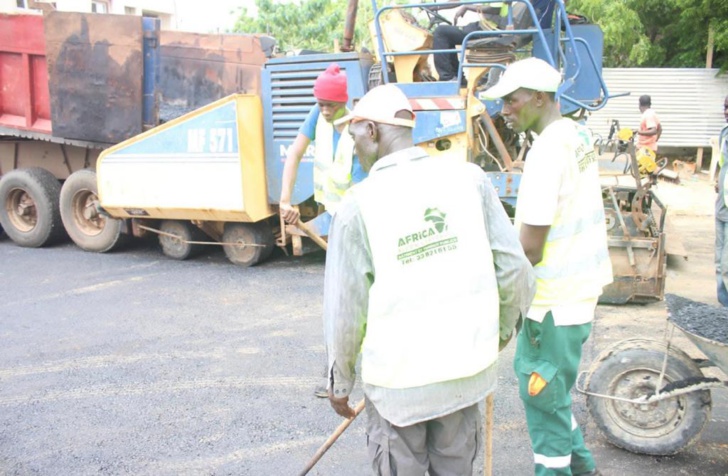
column 209, row 16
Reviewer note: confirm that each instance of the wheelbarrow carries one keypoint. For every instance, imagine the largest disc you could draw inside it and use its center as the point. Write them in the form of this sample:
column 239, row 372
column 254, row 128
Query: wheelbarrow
column 650, row 397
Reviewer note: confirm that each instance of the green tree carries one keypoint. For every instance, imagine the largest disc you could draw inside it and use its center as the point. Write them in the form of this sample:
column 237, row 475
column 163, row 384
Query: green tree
column 305, row 24
column 659, row 33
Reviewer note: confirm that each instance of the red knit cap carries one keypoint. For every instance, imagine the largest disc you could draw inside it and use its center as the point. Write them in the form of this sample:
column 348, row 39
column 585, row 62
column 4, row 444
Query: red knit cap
column 331, row 85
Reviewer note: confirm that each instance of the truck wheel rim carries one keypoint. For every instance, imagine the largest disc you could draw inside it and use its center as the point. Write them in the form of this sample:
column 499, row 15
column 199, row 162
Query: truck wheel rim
column 85, row 213
column 651, row 420
column 21, row 209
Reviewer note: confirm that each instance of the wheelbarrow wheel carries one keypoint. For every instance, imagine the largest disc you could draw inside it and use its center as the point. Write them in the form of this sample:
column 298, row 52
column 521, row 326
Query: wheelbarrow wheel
column 659, row 428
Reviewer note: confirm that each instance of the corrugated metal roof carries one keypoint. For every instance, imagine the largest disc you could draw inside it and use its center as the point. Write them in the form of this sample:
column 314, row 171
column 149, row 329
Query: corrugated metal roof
column 689, row 103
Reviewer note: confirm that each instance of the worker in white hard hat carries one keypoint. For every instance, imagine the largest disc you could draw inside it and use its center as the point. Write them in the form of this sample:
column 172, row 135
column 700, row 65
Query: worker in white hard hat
column 425, row 277
column 561, row 223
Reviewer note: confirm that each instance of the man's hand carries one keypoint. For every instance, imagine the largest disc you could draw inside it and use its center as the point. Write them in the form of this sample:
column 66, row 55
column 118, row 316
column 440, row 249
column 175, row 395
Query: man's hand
column 341, row 406
column 290, row 215
column 459, row 14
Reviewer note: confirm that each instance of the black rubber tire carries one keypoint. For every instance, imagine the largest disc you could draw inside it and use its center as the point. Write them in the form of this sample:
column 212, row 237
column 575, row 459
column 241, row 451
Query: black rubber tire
column 178, row 249
column 87, row 228
column 661, row 428
column 267, row 238
column 258, row 234
column 39, row 192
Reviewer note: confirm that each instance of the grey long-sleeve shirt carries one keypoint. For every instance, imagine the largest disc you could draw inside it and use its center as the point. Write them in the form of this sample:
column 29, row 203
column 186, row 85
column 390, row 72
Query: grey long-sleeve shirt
column 350, row 273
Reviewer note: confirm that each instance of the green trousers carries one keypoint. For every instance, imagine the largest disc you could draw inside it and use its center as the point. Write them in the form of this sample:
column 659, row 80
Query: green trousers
column 554, row 352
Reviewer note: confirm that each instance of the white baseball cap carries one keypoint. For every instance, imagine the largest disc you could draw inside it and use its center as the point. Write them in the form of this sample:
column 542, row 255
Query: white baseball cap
column 381, row 105
column 531, row 73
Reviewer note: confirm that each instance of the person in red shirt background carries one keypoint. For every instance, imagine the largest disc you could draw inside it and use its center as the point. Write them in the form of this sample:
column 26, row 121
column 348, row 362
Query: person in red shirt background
column 650, row 128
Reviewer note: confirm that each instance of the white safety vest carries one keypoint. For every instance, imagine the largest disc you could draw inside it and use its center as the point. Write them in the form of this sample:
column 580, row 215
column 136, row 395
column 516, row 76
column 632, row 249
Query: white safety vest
column 576, row 264
column 332, row 171
column 433, row 311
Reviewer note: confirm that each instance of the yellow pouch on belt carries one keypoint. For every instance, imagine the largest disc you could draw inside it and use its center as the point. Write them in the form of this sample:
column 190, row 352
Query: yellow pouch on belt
column 535, row 384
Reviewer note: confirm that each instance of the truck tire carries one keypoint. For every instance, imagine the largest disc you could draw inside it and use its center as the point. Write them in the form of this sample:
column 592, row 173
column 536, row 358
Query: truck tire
column 242, row 234
column 177, row 248
column 89, row 229
column 29, row 211
column 660, row 428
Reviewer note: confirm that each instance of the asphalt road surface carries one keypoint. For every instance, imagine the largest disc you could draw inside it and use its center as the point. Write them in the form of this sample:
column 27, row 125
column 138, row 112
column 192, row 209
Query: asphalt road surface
column 131, row 363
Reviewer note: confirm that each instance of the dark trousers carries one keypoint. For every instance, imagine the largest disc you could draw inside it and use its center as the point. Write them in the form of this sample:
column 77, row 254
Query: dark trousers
column 447, row 37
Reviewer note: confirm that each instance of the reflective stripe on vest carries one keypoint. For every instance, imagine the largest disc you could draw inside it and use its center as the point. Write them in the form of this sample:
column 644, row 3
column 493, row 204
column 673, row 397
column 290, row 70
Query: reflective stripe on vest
column 576, row 263
column 433, row 311
column 331, row 172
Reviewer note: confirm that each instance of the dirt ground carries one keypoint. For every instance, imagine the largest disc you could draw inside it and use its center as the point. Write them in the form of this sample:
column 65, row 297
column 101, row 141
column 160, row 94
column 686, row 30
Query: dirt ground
column 691, row 209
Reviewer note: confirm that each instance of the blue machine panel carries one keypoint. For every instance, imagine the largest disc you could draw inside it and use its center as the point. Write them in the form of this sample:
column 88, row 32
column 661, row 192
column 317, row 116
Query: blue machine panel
column 290, row 82
column 506, row 184
column 587, row 86
column 435, row 124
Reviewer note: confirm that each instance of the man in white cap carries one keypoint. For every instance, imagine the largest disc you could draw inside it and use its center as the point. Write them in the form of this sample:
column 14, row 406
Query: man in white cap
column 426, row 277
column 560, row 218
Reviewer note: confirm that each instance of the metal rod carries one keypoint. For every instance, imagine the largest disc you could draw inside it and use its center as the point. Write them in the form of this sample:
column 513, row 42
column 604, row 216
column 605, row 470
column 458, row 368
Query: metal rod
column 15, row 155
column 177, row 237
column 498, row 141
column 349, row 26
column 656, row 397
column 664, row 361
column 65, row 159
column 623, row 225
column 332, row 439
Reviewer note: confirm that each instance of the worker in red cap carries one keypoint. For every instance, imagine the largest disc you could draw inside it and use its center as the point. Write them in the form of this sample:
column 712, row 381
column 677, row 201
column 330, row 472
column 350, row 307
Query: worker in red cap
column 335, row 166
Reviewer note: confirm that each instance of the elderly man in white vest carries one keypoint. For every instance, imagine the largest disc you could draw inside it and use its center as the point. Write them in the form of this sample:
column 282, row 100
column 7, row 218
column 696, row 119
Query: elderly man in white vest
column 560, row 217
column 426, row 277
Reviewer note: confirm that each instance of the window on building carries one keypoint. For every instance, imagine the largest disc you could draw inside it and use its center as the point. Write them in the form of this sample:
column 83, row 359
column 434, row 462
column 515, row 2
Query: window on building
column 130, row 10
column 100, row 6
column 22, row 3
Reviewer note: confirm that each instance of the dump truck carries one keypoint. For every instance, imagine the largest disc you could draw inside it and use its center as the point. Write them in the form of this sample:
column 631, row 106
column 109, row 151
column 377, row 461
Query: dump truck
column 213, row 174
column 74, row 84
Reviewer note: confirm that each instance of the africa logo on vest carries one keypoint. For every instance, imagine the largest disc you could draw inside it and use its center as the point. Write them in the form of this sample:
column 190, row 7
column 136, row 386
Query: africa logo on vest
column 431, row 240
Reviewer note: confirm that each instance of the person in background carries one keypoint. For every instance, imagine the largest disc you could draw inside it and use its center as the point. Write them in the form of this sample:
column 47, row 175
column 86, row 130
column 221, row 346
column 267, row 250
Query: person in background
column 425, row 277
column 650, row 127
column 492, row 16
column 336, row 167
column 561, row 221
column 721, row 216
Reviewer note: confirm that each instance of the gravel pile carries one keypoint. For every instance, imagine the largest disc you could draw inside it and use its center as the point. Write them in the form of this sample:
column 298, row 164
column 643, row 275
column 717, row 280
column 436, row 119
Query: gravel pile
column 700, row 319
